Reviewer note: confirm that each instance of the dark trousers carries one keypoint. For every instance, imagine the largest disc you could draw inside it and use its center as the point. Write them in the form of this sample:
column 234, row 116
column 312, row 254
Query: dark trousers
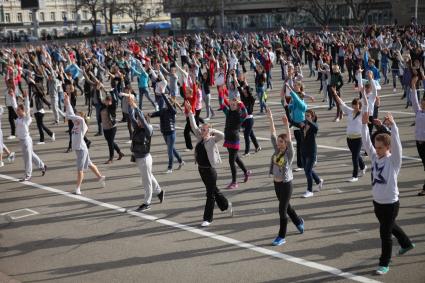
column 209, row 177
column 297, row 134
column 283, row 194
column 98, row 106
column 186, row 133
column 248, row 133
column 143, row 91
column 12, row 117
column 109, row 135
column 386, row 214
column 420, row 145
column 234, row 158
column 308, row 163
column 41, row 127
column 330, row 98
column 355, row 145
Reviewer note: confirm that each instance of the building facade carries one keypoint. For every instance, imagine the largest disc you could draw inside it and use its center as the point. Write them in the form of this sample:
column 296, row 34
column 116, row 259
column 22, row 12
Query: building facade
column 61, row 17
column 264, row 14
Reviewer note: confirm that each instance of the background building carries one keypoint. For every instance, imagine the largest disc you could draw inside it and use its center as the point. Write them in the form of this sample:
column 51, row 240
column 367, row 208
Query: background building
column 62, row 17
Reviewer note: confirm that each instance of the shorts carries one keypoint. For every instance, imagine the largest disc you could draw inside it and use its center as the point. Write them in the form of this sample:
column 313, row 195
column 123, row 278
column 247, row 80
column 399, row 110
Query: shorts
column 83, row 160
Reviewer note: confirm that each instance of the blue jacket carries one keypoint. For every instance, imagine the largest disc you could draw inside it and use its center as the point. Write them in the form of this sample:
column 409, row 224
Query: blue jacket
column 298, row 108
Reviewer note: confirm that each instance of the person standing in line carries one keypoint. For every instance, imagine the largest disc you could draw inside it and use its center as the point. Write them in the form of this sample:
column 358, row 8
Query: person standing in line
column 354, row 133
column 419, row 111
column 78, row 131
column 22, row 131
column 140, row 147
column 309, row 152
column 3, row 147
column 11, row 114
column 207, row 156
column 281, row 169
column 386, row 158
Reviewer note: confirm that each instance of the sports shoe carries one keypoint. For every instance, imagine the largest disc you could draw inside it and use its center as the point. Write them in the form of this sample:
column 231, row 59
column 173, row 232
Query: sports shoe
column 53, row 137
column 307, row 194
column 232, row 186
column 300, row 226
column 187, row 150
column 278, row 241
column 43, row 171
column 40, row 142
column 161, row 196
column 336, row 120
column 77, row 191
column 11, row 137
column 382, row 270
column 26, row 178
column 97, row 134
column 129, row 141
column 120, row 156
column 169, row 171
column 353, row 179
column 230, row 209
column 258, row 149
column 246, row 154
column 102, row 181
column 1, row 163
column 402, row 251
column 394, row 90
column 11, row 157
column 144, row 207
column 181, row 164
column 207, row 119
column 247, row 175
column 364, row 170
column 319, row 186
column 298, row 169
column 206, row 224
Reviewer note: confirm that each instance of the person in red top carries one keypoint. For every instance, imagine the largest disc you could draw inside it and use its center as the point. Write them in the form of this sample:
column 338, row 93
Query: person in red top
column 191, row 97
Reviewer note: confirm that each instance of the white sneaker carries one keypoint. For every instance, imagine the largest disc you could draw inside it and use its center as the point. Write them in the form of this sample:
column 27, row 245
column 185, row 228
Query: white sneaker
column 11, row 137
column 307, row 194
column 128, row 141
column 53, row 137
column 364, row 170
column 181, row 165
column 102, row 181
column 169, row 171
column 11, row 157
column 41, row 142
column 394, row 90
column 337, row 120
column 187, row 150
column 230, row 209
column 298, row 169
column 352, row 180
column 246, row 154
column 319, row 186
column 77, row 191
column 1, row 163
column 205, row 224
column 206, row 119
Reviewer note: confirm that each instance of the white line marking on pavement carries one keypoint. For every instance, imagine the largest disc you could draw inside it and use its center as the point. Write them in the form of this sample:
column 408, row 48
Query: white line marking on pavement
column 10, row 213
column 225, row 239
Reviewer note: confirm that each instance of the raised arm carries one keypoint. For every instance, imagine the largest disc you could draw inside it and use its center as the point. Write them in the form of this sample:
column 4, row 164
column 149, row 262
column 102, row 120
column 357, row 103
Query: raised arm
column 414, row 97
column 192, row 121
column 136, row 115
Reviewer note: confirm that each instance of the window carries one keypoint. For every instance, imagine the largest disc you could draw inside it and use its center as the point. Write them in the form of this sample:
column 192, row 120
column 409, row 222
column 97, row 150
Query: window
column 63, row 15
column 52, row 16
column 148, row 12
column 19, row 16
column 7, row 18
column 42, row 17
column 73, row 15
column 30, row 16
column 85, row 15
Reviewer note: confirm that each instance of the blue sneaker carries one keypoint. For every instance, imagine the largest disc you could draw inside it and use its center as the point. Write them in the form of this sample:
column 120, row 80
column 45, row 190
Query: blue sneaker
column 300, row 226
column 402, row 251
column 278, row 241
column 382, row 270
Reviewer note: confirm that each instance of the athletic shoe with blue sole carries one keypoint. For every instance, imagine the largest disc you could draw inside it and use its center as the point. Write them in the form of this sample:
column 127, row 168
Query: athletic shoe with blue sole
column 278, row 241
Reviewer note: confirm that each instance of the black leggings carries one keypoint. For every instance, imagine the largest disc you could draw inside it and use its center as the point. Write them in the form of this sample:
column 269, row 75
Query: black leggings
column 41, row 127
column 110, row 137
column 234, row 157
column 283, row 194
column 355, row 145
column 12, row 117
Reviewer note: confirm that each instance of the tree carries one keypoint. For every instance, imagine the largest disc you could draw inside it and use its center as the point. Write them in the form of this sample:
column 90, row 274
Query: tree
column 320, row 10
column 141, row 11
column 94, row 7
column 209, row 10
column 359, row 9
column 110, row 9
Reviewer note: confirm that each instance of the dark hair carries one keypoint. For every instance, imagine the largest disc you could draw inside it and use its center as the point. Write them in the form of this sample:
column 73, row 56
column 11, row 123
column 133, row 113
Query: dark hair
column 357, row 101
column 313, row 114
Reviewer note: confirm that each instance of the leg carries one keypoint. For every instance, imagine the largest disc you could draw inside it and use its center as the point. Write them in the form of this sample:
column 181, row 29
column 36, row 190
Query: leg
column 240, row 163
column 26, row 147
column 297, row 134
column 232, row 159
column 246, row 133
column 108, row 137
column 168, row 141
column 12, row 117
column 187, row 137
column 39, row 121
column 145, row 167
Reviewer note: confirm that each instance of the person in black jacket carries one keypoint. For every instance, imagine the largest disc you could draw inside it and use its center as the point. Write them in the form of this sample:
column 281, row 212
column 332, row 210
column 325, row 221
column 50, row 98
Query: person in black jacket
column 167, row 121
column 248, row 100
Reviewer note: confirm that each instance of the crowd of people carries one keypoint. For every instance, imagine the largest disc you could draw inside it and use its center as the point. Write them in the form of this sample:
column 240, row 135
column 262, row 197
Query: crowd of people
column 179, row 75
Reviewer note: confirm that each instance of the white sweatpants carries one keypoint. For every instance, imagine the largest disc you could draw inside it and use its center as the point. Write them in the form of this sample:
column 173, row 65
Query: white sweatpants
column 29, row 156
column 148, row 179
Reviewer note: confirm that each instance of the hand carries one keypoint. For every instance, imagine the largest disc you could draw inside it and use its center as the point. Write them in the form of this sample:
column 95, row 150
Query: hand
column 377, row 122
column 285, row 119
column 389, row 119
column 370, row 76
column 187, row 106
column 25, row 93
column 312, row 99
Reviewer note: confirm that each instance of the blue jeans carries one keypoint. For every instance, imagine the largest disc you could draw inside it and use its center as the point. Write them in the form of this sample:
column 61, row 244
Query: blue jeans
column 143, row 91
column 170, row 139
column 308, row 162
column 260, row 95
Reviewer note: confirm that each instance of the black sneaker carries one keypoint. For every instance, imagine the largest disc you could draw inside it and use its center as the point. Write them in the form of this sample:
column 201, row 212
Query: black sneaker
column 144, row 207
column 161, row 196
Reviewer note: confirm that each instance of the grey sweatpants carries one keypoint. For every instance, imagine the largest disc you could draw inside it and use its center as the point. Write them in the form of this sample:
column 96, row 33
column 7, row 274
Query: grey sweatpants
column 29, row 156
column 148, row 179
column 54, row 100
